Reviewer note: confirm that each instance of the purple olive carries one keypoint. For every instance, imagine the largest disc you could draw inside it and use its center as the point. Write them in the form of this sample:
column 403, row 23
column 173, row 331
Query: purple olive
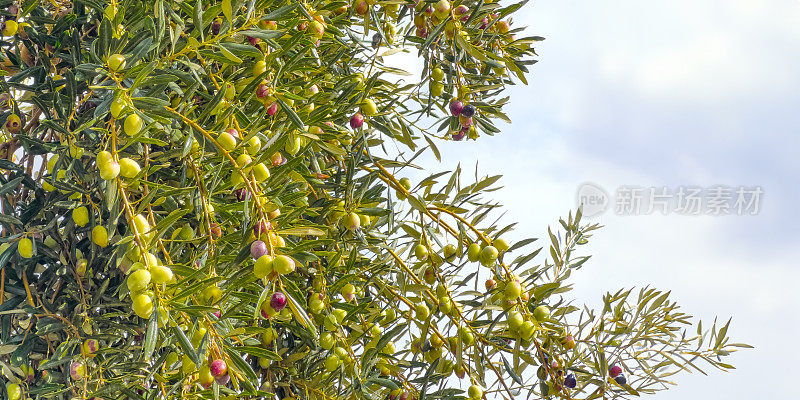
column 356, row 121
column 570, row 381
column 257, row 249
column 468, row 110
column 272, row 109
column 223, row 380
column 262, row 91
column 261, row 227
column 278, row 301
column 241, row 193
column 456, row 106
column 218, row 368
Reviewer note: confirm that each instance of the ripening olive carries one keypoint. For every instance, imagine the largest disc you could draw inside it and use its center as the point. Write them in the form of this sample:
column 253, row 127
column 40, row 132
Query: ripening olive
column 283, row 264
column 25, row 248
column 100, row 236
column 116, row 62
column 142, row 305
column 80, row 216
column 133, row 124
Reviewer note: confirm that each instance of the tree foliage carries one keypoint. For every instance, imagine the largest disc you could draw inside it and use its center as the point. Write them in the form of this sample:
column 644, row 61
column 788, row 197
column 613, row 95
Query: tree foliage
column 204, row 199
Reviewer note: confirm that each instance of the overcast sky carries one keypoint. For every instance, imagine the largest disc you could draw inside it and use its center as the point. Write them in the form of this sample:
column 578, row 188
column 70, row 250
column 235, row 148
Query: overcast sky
column 668, row 93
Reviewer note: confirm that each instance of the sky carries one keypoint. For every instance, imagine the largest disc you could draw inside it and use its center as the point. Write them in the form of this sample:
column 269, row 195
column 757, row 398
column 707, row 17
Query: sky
column 667, row 94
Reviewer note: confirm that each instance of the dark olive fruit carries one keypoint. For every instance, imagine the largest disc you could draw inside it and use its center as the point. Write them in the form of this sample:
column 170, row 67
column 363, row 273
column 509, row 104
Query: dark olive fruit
column 456, row 107
column 570, row 381
column 461, row 11
column 278, row 301
column 257, row 249
column 468, row 110
column 361, row 7
column 261, row 227
column 216, row 230
column 262, row 91
column 356, row 121
column 218, row 368
column 223, row 380
column 272, row 109
column 430, row 275
column 621, row 379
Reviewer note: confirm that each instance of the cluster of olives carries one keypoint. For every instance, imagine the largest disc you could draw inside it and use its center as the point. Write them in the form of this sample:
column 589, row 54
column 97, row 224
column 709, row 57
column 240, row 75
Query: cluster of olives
column 350, row 220
column 146, row 271
column 615, row 373
column 80, row 217
column 110, row 169
column 368, row 109
column 464, row 114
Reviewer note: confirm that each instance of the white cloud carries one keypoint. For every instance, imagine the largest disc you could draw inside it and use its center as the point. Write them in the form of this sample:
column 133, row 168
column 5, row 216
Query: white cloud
column 706, row 67
column 712, row 52
column 684, row 50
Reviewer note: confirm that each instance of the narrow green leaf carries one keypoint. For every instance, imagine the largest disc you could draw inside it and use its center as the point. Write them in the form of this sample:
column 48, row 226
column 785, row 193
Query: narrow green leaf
column 198, row 18
column 226, row 10
column 292, row 115
column 151, row 335
column 302, row 231
column 300, row 313
column 186, row 345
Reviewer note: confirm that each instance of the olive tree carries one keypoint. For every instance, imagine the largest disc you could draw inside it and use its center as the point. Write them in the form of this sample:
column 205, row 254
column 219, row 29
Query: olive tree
column 211, row 199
